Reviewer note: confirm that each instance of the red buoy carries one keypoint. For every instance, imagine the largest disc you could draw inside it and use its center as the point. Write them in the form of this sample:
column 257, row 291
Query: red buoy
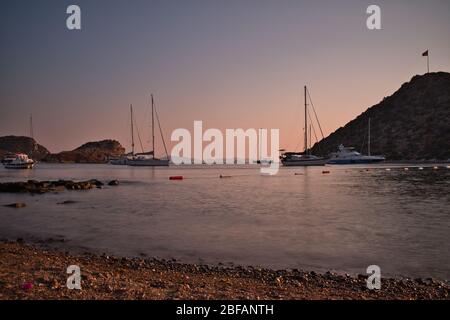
column 27, row 286
column 176, row 178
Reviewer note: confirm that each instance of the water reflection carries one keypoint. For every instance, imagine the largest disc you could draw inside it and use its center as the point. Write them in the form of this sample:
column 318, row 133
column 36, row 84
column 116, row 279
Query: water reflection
column 300, row 218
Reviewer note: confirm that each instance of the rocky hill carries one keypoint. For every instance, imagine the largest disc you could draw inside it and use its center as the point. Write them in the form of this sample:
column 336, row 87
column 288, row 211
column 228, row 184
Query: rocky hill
column 27, row 145
column 412, row 124
column 91, row 152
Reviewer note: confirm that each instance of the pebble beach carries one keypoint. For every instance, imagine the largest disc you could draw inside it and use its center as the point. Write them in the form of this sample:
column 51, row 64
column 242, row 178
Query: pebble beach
column 28, row 271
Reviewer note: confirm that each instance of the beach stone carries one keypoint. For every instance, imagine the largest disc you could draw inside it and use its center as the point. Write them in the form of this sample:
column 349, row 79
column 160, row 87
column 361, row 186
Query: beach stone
column 16, row 205
column 96, row 182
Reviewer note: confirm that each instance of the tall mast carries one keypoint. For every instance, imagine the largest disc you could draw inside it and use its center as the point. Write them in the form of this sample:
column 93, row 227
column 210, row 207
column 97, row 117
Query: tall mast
column 132, row 130
column 306, row 124
column 31, row 127
column 368, row 144
column 153, row 128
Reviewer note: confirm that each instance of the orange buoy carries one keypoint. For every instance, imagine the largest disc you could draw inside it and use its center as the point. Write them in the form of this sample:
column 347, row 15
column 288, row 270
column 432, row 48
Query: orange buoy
column 176, row 178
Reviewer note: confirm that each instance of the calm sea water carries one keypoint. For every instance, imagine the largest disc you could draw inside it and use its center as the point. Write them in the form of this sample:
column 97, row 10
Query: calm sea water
column 343, row 221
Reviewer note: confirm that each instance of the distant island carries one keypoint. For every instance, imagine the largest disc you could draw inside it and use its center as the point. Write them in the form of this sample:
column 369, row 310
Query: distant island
column 91, row 152
column 412, row 124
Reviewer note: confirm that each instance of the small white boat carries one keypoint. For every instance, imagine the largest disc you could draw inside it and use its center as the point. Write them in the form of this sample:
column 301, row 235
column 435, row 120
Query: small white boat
column 348, row 155
column 21, row 161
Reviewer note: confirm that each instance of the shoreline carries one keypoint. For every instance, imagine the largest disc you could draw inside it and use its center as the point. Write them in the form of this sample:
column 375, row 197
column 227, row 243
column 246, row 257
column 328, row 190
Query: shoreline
column 28, row 271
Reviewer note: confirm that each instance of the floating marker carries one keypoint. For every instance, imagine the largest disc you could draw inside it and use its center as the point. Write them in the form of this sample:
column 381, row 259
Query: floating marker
column 176, row 178
column 27, row 286
column 325, row 171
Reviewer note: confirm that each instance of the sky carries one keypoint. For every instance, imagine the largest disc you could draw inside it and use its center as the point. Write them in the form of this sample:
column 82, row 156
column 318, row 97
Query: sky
column 229, row 63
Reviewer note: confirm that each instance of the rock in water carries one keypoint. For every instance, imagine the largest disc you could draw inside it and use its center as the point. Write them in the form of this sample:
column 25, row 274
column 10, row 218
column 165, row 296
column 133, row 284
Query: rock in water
column 36, row 187
column 67, row 202
column 113, row 183
column 96, row 183
column 16, row 205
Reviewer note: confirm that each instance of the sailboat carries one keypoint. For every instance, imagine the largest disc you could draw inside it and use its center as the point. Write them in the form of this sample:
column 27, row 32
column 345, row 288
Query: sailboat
column 348, row 155
column 148, row 159
column 299, row 159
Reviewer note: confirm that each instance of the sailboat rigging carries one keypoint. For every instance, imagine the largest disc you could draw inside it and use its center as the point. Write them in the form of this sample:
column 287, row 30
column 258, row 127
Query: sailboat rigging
column 149, row 159
column 304, row 158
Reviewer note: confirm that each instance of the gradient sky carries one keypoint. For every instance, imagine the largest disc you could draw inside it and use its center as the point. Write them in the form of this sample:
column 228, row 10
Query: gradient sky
column 230, row 63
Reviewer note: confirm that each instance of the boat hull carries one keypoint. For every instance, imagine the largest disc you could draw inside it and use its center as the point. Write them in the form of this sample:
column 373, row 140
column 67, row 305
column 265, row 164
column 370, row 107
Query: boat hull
column 18, row 165
column 304, row 163
column 148, row 163
column 355, row 161
column 118, row 162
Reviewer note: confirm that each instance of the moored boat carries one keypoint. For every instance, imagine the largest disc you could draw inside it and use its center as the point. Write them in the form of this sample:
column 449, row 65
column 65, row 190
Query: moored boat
column 21, row 161
column 299, row 159
column 294, row 159
column 348, row 155
column 9, row 157
column 120, row 161
column 148, row 159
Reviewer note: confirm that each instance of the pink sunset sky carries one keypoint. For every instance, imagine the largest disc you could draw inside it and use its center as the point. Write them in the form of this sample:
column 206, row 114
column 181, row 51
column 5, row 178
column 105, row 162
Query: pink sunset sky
column 231, row 64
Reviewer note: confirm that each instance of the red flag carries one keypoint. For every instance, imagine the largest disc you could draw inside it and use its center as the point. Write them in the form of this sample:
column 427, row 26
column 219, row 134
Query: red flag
column 425, row 54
